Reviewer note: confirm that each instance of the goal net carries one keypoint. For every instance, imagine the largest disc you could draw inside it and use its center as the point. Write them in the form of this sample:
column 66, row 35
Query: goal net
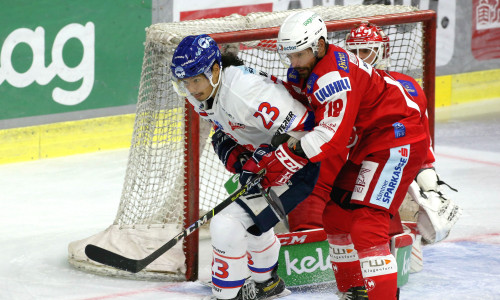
column 172, row 173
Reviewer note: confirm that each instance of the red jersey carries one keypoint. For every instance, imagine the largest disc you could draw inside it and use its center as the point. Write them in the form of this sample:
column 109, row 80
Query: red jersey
column 346, row 92
column 414, row 89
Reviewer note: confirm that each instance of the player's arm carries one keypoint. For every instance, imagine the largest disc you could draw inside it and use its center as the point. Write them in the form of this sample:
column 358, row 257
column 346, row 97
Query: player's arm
column 231, row 154
column 336, row 119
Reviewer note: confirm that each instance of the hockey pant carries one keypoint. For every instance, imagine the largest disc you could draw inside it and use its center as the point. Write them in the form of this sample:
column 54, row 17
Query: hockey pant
column 306, row 215
column 238, row 254
column 358, row 218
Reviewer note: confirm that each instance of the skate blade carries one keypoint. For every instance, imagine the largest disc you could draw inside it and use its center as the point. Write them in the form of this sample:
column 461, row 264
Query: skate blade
column 285, row 293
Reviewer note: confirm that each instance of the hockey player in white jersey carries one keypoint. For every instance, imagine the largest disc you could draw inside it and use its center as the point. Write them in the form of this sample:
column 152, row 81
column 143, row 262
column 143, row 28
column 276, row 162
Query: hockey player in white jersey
column 247, row 110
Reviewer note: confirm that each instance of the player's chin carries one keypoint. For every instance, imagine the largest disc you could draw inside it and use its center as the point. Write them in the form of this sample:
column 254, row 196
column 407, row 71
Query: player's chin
column 198, row 97
column 303, row 72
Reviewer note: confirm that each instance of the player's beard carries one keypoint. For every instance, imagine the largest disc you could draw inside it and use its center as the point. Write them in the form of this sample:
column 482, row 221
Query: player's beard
column 304, row 72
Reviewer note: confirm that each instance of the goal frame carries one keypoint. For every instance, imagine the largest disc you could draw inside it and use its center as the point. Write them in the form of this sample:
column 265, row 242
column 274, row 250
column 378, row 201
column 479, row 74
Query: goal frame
column 429, row 23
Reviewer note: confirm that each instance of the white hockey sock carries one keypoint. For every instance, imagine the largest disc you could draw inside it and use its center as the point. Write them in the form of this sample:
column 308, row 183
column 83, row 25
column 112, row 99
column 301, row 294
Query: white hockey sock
column 263, row 252
column 229, row 267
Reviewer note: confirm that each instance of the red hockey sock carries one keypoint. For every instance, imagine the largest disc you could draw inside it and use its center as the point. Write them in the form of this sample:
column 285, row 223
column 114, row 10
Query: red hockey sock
column 380, row 272
column 345, row 263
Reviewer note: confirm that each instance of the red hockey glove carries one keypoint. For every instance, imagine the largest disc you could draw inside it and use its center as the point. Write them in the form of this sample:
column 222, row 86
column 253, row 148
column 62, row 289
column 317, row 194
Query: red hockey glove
column 280, row 166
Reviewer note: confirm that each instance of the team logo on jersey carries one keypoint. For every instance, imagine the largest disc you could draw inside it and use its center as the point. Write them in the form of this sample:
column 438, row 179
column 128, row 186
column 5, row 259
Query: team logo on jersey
column 409, row 87
column 329, row 90
column 399, row 130
column 235, row 126
column 342, row 61
column 310, row 82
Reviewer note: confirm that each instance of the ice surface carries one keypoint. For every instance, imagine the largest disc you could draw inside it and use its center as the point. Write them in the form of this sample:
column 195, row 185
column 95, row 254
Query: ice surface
column 48, row 203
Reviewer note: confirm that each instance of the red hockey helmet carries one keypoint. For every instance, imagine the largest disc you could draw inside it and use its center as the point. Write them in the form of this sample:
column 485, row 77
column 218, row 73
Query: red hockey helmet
column 370, row 37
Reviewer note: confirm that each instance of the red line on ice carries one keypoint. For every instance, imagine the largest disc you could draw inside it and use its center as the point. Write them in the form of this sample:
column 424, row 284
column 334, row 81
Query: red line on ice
column 164, row 288
column 470, row 159
column 475, row 238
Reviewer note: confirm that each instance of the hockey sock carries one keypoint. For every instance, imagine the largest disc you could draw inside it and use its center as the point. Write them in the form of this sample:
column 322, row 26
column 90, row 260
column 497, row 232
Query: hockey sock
column 380, row 272
column 229, row 265
column 263, row 252
column 345, row 262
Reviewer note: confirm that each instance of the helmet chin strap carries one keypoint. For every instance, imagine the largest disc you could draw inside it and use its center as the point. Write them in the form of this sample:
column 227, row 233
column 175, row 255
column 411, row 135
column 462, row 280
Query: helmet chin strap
column 214, row 86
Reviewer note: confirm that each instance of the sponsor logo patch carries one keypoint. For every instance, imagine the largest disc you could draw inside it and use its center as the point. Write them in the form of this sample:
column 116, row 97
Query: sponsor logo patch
column 310, row 82
column 364, row 179
column 338, row 86
column 292, row 76
column 218, row 124
column 235, row 126
column 390, row 178
column 342, row 61
column 409, row 87
column 286, row 123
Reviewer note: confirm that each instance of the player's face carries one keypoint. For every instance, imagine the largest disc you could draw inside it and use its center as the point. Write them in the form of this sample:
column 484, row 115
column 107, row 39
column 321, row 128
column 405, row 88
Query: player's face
column 368, row 55
column 303, row 62
column 198, row 86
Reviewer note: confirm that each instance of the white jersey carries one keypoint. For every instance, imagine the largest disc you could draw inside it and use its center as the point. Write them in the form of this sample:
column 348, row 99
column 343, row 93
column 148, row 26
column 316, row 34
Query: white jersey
column 251, row 108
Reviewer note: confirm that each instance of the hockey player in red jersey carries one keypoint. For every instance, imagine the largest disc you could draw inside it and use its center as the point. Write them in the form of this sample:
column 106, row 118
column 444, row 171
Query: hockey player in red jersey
column 435, row 213
column 390, row 145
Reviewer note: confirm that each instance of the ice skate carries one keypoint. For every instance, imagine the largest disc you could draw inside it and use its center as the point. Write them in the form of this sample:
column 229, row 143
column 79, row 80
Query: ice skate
column 354, row 293
column 273, row 288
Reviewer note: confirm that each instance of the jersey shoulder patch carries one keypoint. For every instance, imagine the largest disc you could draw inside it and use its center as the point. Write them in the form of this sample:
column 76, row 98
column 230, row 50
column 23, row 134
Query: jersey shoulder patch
column 311, row 81
column 342, row 61
column 331, row 85
column 247, row 70
column 292, row 76
column 409, row 87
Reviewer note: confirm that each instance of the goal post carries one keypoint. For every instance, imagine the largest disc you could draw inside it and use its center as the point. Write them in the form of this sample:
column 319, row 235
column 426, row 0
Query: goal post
column 173, row 174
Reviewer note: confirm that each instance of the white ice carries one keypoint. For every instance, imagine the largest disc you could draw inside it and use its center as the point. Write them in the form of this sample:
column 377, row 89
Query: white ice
column 48, row 203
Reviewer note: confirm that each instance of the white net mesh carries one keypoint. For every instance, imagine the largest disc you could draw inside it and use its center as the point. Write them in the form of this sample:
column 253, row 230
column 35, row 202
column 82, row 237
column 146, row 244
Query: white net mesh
column 153, row 192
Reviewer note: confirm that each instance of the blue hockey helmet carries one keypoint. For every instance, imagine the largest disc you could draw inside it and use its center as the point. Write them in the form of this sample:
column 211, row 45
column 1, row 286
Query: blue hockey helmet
column 195, row 54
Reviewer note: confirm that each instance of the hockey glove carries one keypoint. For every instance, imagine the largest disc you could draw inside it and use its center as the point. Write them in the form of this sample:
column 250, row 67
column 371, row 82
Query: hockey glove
column 280, row 166
column 250, row 168
column 232, row 155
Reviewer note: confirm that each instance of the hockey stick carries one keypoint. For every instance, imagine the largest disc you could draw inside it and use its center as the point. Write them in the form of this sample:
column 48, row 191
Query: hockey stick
column 276, row 205
column 118, row 261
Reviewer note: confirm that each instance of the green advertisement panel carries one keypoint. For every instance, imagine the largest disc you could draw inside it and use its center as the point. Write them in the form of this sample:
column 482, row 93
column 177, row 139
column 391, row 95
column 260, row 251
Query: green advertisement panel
column 62, row 56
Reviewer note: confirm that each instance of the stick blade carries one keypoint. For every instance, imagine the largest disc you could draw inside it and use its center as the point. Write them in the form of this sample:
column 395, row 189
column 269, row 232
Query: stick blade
column 112, row 259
